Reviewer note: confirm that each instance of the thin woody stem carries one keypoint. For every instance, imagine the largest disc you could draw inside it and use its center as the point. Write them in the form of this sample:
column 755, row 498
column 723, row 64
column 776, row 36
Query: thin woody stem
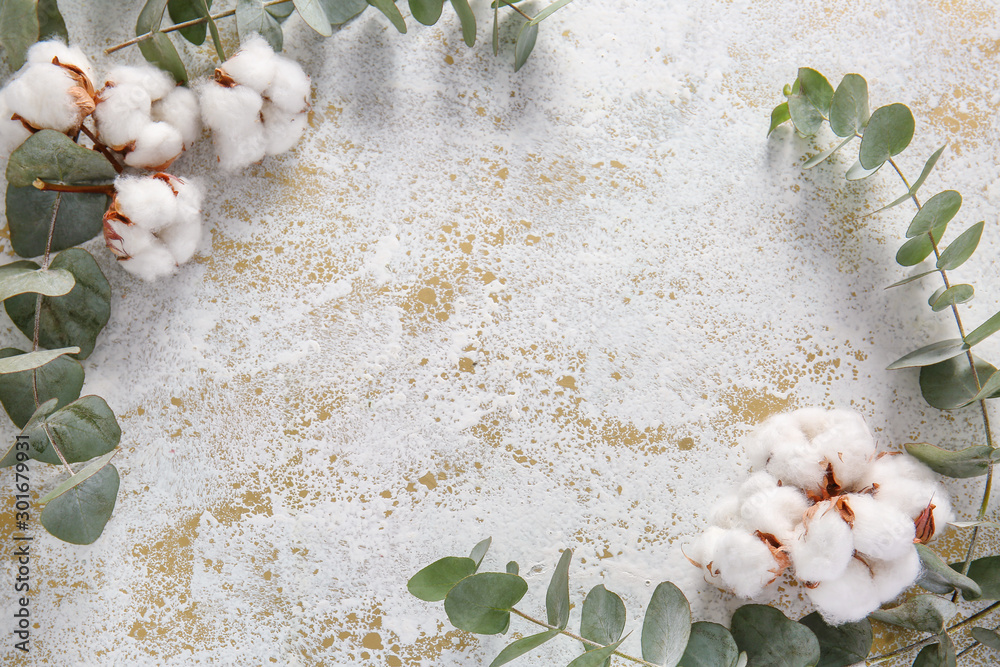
column 103, row 149
column 59, row 187
column 625, row 656
column 515, row 8
column 933, row 639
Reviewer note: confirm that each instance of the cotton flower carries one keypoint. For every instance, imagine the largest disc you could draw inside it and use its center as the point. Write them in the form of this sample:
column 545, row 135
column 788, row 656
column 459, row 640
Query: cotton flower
column 153, row 224
column 823, row 545
column 12, row 131
column 738, row 560
column 53, row 89
column 256, row 105
column 849, row 597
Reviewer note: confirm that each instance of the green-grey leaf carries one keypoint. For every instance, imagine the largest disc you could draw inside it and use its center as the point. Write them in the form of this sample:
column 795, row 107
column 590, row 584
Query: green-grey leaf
column 991, row 388
column 807, row 118
column 710, row 645
column 496, row 28
column 841, row 645
column 983, row 331
column 968, row 462
column 388, row 7
column 936, row 571
column 936, row 213
column 433, row 582
column 941, row 654
column 918, row 248
column 911, row 278
column 341, row 11
column 18, row 29
column 24, row 276
column 986, row 637
column 849, row 106
column 603, row 617
column 926, row 171
column 888, row 133
column 426, row 11
column 79, row 508
column 816, row 88
column 26, row 362
column 557, row 595
column 924, row 613
column 252, row 17
column 150, row 17
column 778, row 116
column 518, row 648
column 55, row 158
column 955, row 294
column 744, row 659
column 820, row 157
column 82, row 430
column 482, row 602
column 61, row 378
column 524, row 44
column 512, row 567
column 51, row 24
column 187, row 10
column 160, row 51
column 479, row 551
column 468, row 20
column 961, row 248
column 771, row 638
column 930, row 354
column 973, row 524
column 550, row 10
column 986, row 573
column 74, row 319
column 283, row 10
column 857, row 172
column 29, row 213
column 950, row 385
column 667, row 626
column 597, row 657
column 312, row 13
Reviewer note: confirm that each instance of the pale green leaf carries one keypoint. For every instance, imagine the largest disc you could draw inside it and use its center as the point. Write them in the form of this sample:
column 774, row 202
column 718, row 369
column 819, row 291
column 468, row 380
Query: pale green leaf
column 961, row 248
column 26, row 362
column 433, row 582
column 666, row 626
column 550, row 10
column 820, row 157
column 930, row 354
column 557, row 595
column 950, row 385
column 27, row 277
column 481, row 603
column 935, row 214
column 524, row 44
column 849, row 106
column 888, row 133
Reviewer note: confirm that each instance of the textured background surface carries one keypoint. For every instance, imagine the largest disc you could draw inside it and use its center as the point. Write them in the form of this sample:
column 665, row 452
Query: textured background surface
column 542, row 307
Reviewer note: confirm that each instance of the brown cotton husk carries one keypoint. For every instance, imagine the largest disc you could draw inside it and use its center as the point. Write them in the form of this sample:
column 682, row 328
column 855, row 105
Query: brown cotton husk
column 831, row 487
column 111, row 238
column 777, row 552
column 223, row 79
column 924, row 525
column 846, row 513
column 83, row 92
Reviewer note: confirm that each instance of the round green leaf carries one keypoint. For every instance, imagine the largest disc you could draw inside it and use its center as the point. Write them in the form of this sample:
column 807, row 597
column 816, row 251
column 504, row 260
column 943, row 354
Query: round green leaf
column 160, row 51
column 187, row 10
column 857, row 172
column 74, row 319
column 524, row 44
column 18, row 29
column 341, row 11
column 481, row 603
column 849, row 106
column 807, row 118
column 512, row 567
column 391, row 12
column 252, row 17
column 150, row 17
column 986, row 637
column 930, row 354
column 953, row 295
column 941, row 654
column 468, row 20
column 29, row 214
column 55, row 158
column 603, row 617
column 841, row 645
column 426, row 11
column 778, row 116
column 710, row 645
column 941, row 578
column 312, row 13
column 479, row 551
column 432, row 583
column 596, row 657
column 61, row 378
column 771, row 639
column 816, row 88
column 888, row 133
column 23, row 276
column 667, row 626
column 986, row 573
column 935, row 214
column 950, row 385
column 961, row 248
column 80, row 507
column 31, row 360
column 51, row 24
column 82, row 430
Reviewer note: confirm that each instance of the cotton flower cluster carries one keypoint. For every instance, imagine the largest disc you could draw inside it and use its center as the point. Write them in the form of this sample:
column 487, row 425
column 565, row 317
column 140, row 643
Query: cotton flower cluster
column 153, row 224
column 256, row 105
column 825, row 506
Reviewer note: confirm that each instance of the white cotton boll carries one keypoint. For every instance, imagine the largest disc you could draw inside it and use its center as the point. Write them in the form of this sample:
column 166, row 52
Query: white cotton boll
column 798, row 464
column 290, row 88
column 775, row 431
column 152, row 80
column 182, row 239
column 12, row 132
column 157, row 145
column 823, row 546
column 238, row 151
column 909, row 485
column 254, row 65
column 745, row 563
column 880, row 530
column 282, row 130
column 783, row 443
column 233, row 114
column 703, row 551
column 44, row 52
column 40, row 95
column 892, row 577
column 128, row 240
column 188, row 199
column 755, row 483
column 848, row 445
column 121, row 114
column 180, row 109
column 847, row 598
column 726, row 512
column 156, row 262
column 148, row 202
column 776, row 511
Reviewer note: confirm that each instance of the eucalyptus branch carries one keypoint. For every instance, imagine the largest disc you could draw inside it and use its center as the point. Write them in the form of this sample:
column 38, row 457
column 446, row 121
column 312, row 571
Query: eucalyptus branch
column 103, row 149
column 59, row 187
column 563, row 631
column 186, row 24
column 518, row 10
column 933, row 638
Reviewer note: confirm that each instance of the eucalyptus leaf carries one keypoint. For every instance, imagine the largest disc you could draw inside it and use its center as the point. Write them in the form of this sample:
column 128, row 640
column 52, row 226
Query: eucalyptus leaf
column 807, row 118
column 496, row 28
column 936, row 213
column 150, row 16
column 468, row 20
column 24, row 276
column 26, row 362
column 918, row 276
column 849, row 106
column 710, row 645
column 986, row 637
column 479, row 551
column 820, row 157
column 924, row 613
column 283, row 10
column 481, row 603
column 596, row 657
column 888, row 133
column 181, row 11
column 667, row 626
column 954, row 295
column 512, row 567
column 770, row 638
column 557, row 595
column 991, row 388
column 950, row 384
column 51, row 24
column 983, row 331
column 342, row 11
column 840, row 645
column 82, row 430
column 158, row 50
column 61, row 378
column 918, row 248
column 79, row 218
column 936, row 571
column 857, row 172
column 203, row 8
column 986, row 573
column 974, row 524
column 930, row 354
column 778, row 116
column 426, row 11
column 817, row 89
column 433, row 582
column 74, row 319
column 55, row 158
column 252, row 17
column 524, row 44
column 549, row 11
column 968, row 462
column 518, row 648
column 961, row 248
column 941, row 654
column 924, row 173
column 18, row 29
column 77, row 511
column 388, row 7
column 603, row 617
